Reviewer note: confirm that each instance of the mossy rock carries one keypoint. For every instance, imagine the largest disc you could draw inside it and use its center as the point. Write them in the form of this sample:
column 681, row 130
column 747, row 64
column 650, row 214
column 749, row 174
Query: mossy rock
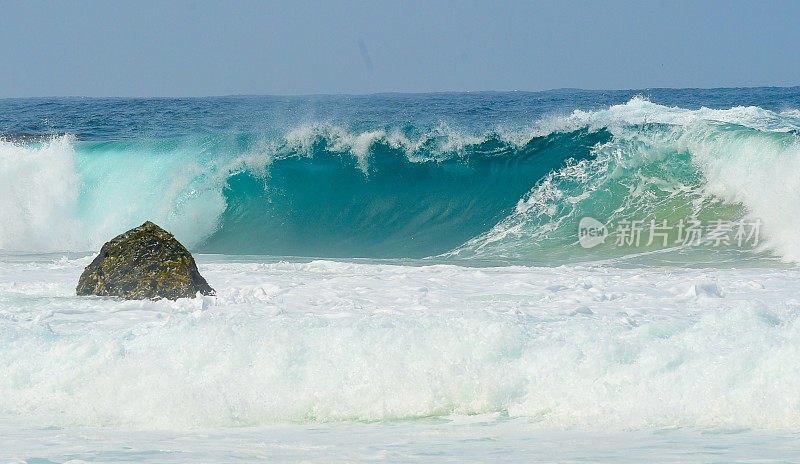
column 143, row 263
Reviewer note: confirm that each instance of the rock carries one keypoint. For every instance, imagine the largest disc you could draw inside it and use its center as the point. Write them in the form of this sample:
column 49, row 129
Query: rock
column 143, row 263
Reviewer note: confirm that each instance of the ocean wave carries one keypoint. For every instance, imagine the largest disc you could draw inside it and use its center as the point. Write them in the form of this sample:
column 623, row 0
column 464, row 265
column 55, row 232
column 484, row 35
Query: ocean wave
column 641, row 111
column 403, row 191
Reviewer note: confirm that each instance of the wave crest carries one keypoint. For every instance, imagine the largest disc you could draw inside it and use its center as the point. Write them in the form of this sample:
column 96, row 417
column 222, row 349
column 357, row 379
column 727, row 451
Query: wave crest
column 327, row 190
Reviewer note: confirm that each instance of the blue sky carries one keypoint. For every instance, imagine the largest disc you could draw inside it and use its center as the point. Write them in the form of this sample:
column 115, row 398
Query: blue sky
column 194, row 48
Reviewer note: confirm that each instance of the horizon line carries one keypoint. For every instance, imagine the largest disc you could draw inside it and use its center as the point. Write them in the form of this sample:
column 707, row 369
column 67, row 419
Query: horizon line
column 367, row 94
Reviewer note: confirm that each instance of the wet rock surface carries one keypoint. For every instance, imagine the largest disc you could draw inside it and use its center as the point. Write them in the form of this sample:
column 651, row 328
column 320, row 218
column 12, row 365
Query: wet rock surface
column 143, row 263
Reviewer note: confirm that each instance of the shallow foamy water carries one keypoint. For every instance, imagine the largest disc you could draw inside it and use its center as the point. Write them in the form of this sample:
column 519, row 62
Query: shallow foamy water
column 365, row 361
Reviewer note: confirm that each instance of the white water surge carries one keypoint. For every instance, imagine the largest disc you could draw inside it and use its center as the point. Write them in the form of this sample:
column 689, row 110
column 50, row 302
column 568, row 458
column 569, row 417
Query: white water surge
column 326, row 341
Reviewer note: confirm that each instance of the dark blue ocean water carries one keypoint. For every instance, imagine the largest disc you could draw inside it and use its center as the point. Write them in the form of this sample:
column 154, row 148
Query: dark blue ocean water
column 125, row 118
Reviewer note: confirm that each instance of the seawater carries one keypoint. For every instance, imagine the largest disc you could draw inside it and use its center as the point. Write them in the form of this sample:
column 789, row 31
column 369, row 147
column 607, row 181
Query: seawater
column 399, row 278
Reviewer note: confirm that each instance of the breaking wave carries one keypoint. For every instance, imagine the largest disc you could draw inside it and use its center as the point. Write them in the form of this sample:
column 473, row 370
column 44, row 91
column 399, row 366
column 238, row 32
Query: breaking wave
column 326, row 191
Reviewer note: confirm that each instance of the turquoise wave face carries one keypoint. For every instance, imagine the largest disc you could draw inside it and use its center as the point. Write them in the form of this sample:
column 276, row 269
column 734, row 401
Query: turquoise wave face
column 706, row 194
column 324, row 204
column 401, row 191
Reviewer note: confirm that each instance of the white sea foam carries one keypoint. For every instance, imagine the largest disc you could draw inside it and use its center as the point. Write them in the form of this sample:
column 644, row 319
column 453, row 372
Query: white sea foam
column 640, row 110
column 446, row 140
column 53, row 199
column 39, row 196
column 326, row 341
column 758, row 170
